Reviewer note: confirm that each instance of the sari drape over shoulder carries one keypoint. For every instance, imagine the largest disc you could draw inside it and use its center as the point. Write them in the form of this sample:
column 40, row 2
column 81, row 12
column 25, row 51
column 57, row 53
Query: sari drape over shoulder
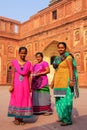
column 61, row 77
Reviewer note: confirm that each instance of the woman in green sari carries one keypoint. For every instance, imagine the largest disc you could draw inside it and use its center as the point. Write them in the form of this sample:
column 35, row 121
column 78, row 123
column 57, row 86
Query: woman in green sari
column 64, row 83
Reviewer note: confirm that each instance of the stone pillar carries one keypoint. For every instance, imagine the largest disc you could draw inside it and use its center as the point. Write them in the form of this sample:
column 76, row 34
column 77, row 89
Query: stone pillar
column 12, row 28
column 2, row 25
column 7, row 27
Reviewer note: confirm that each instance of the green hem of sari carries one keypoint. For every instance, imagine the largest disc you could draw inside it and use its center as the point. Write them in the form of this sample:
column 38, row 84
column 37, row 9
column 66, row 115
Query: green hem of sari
column 60, row 88
column 13, row 115
column 44, row 89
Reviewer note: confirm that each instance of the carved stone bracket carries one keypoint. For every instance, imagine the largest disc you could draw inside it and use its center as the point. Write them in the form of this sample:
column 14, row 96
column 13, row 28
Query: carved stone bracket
column 53, row 1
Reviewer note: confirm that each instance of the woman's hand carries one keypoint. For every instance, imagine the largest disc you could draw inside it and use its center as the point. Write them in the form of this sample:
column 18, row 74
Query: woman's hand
column 51, row 85
column 71, row 83
column 30, row 90
column 11, row 89
column 46, row 71
column 37, row 74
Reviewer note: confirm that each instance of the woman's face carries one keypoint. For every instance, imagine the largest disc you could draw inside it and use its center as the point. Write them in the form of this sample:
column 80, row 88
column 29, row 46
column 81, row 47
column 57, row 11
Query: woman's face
column 39, row 58
column 61, row 49
column 22, row 54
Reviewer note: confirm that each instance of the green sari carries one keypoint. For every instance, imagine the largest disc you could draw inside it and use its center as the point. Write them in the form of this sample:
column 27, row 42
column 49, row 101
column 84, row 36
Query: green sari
column 64, row 104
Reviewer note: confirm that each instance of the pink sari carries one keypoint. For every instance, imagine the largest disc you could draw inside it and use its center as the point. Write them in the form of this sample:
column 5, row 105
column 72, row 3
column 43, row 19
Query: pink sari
column 39, row 82
column 20, row 105
column 41, row 93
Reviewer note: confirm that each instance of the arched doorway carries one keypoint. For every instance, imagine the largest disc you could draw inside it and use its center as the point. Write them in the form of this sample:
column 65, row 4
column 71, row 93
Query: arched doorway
column 49, row 53
column 9, row 73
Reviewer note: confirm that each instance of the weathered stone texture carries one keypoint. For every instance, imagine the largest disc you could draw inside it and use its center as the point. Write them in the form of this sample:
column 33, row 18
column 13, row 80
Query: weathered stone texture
column 64, row 20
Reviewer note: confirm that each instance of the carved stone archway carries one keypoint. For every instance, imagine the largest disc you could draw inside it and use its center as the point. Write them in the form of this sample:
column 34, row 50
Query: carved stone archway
column 9, row 73
column 50, row 51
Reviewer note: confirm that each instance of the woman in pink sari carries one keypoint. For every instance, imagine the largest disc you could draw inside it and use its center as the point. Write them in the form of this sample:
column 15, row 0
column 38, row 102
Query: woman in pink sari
column 20, row 105
column 40, row 88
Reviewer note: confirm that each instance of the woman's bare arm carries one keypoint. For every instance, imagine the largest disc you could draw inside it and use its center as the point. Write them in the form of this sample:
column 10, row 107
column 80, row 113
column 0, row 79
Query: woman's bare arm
column 46, row 71
column 71, row 72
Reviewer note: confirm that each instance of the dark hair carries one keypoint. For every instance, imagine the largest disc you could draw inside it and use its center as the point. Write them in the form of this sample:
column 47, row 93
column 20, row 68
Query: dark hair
column 22, row 48
column 39, row 53
column 63, row 43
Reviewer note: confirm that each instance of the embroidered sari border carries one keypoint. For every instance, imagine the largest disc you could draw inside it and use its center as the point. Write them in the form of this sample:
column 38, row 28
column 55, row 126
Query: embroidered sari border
column 14, row 115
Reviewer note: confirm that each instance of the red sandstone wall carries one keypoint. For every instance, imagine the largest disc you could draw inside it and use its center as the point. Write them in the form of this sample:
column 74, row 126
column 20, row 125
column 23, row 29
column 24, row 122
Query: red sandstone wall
column 41, row 31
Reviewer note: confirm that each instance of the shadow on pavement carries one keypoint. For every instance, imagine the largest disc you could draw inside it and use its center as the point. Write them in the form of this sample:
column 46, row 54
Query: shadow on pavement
column 75, row 113
column 79, row 123
column 31, row 120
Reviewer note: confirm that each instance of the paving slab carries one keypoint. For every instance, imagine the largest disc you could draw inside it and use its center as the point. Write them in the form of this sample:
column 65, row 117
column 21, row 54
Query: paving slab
column 41, row 122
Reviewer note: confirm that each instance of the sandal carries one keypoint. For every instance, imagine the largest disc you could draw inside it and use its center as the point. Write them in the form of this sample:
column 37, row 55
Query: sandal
column 59, row 121
column 22, row 123
column 16, row 122
column 48, row 113
column 65, row 124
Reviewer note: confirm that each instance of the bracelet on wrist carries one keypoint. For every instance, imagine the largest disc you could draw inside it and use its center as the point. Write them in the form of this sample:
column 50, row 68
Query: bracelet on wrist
column 71, row 80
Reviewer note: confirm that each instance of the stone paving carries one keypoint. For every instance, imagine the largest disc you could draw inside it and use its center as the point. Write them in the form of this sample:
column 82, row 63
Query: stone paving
column 42, row 122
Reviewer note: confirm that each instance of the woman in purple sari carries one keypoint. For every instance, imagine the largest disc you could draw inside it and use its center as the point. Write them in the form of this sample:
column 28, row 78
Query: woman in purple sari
column 40, row 88
column 20, row 105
